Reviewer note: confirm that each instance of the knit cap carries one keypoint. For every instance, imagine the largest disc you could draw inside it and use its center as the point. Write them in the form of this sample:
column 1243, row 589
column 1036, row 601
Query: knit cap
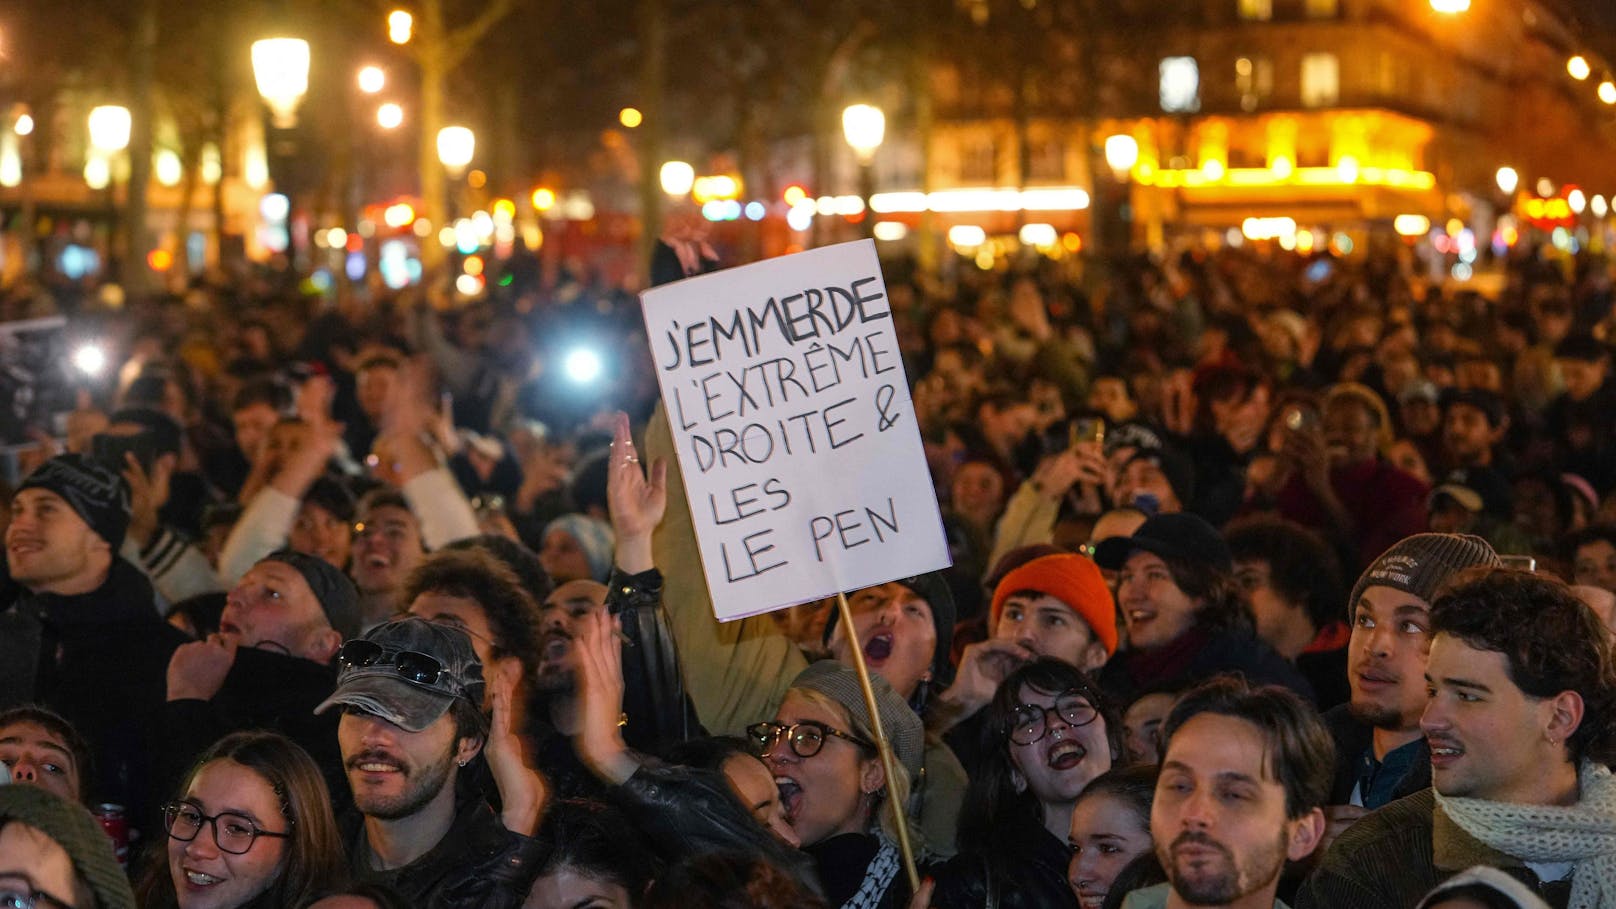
column 1072, row 579
column 338, row 597
column 932, row 586
column 594, row 537
column 902, row 727
column 1422, row 563
column 96, row 494
column 79, row 835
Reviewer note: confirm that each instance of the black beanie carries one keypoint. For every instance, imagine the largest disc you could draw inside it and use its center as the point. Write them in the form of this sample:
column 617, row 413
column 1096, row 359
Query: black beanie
column 95, row 493
column 337, row 595
column 1421, row 564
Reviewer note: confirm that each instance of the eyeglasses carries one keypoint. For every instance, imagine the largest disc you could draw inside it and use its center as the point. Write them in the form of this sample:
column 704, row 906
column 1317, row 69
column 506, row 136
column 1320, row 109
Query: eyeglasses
column 805, row 738
column 420, row 668
column 1030, row 722
column 17, row 892
column 232, row 833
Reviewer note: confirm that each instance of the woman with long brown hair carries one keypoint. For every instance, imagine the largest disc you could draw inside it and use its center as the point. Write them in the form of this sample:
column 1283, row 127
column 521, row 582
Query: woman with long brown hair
column 251, row 828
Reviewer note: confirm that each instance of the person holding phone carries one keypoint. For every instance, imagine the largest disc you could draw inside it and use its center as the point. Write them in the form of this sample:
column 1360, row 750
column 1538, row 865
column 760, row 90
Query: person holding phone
column 1341, row 485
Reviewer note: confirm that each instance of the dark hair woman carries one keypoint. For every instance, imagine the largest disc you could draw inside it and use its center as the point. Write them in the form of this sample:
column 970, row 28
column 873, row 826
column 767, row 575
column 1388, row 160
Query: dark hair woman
column 1048, row 734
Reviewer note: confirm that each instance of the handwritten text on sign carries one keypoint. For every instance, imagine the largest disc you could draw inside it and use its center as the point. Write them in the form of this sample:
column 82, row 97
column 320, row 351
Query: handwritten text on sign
column 795, row 434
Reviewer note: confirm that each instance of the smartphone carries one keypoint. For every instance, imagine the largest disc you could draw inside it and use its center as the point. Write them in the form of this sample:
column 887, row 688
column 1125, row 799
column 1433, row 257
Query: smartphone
column 109, row 450
column 1087, row 429
column 1301, row 419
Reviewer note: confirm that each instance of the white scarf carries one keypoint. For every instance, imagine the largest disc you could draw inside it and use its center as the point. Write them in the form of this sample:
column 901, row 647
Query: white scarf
column 1583, row 834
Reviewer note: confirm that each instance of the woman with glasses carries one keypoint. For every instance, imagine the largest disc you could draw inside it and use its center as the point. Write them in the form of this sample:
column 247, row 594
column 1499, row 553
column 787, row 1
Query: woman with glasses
column 836, row 797
column 252, row 827
column 1048, row 734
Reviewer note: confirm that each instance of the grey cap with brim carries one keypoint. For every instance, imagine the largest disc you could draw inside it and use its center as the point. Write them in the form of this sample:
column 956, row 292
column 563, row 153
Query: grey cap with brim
column 383, row 693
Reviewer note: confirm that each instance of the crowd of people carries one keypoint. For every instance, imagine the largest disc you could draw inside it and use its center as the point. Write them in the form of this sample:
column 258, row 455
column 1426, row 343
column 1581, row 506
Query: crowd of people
column 1272, row 584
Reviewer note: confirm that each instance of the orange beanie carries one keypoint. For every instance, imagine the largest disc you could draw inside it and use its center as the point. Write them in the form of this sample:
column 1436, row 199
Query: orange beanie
column 1072, row 579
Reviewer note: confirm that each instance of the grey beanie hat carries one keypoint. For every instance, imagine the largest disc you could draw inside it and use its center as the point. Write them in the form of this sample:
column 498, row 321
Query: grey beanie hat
column 72, row 827
column 902, row 727
column 1422, row 563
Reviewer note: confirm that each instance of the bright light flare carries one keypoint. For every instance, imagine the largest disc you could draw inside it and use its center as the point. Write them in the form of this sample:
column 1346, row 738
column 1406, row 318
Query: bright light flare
column 372, row 79
column 389, row 116
column 90, row 359
column 400, row 26
column 24, row 125
column 1578, row 67
column 582, row 366
column 630, row 117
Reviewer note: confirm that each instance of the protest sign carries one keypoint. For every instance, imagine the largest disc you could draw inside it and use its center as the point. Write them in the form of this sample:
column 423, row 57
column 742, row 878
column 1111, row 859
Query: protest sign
column 792, row 422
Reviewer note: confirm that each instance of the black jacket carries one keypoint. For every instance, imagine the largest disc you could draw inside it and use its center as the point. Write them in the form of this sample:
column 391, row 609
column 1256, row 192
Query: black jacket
column 1195, row 656
column 263, row 690
column 1352, row 739
column 100, row 659
column 1026, row 868
column 477, row 865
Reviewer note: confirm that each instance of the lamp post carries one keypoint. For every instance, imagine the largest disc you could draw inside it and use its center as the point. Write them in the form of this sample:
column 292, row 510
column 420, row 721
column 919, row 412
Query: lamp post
column 457, row 145
column 281, row 71
column 110, row 126
column 864, row 127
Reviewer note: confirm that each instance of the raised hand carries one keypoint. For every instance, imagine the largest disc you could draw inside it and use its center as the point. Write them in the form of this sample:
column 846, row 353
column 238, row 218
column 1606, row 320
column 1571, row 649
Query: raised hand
column 600, row 698
column 521, row 789
column 635, row 502
column 148, row 492
column 197, row 669
column 983, row 666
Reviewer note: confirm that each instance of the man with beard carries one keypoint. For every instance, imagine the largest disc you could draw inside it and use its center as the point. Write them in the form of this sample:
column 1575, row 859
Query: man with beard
column 1520, row 727
column 411, row 694
column 1380, row 754
column 1243, row 777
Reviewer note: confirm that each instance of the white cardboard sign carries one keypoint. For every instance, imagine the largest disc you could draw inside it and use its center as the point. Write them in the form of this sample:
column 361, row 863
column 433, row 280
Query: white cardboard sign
column 791, row 417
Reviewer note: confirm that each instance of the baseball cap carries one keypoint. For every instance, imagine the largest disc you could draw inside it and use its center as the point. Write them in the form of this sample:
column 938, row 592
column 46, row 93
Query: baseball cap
column 1181, row 535
column 383, row 673
column 1476, row 489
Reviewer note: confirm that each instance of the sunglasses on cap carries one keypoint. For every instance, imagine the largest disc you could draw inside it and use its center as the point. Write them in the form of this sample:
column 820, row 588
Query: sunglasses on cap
column 414, row 666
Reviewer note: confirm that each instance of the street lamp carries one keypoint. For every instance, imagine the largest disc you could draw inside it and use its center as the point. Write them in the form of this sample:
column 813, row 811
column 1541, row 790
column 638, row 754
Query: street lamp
column 864, row 126
column 400, row 26
column 389, row 116
column 109, row 128
column 1508, row 180
column 456, row 146
column 677, row 178
column 372, row 79
column 281, row 69
column 1578, row 67
column 1121, row 152
column 1450, row 7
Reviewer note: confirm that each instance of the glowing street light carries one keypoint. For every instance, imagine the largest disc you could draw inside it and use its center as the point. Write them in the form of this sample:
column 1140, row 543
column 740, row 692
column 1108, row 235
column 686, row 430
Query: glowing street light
column 1508, row 180
column 677, row 178
column 372, row 79
column 1450, row 7
column 630, row 117
column 1607, row 92
column 1578, row 67
column 281, row 69
column 864, row 127
column 400, row 26
column 109, row 128
column 389, row 116
column 24, row 125
column 1121, row 152
column 456, row 147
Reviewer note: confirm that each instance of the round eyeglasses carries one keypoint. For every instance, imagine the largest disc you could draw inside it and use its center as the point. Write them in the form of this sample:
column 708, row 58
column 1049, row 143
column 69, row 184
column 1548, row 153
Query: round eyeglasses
column 805, row 738
column 1030, row 722
column 232, row 833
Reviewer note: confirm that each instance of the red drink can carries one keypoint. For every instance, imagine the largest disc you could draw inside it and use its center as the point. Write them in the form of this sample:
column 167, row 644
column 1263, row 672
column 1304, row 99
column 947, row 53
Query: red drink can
column 117, row 828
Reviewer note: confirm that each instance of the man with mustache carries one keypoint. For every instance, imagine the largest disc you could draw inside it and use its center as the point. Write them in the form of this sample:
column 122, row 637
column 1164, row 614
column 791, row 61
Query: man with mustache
column 1380, row 753
column 411, row 693
column 1521, row 692
column 1242, row 780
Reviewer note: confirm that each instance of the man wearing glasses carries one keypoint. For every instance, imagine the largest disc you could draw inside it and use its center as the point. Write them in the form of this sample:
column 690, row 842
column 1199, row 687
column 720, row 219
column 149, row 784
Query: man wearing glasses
column 411, row 693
